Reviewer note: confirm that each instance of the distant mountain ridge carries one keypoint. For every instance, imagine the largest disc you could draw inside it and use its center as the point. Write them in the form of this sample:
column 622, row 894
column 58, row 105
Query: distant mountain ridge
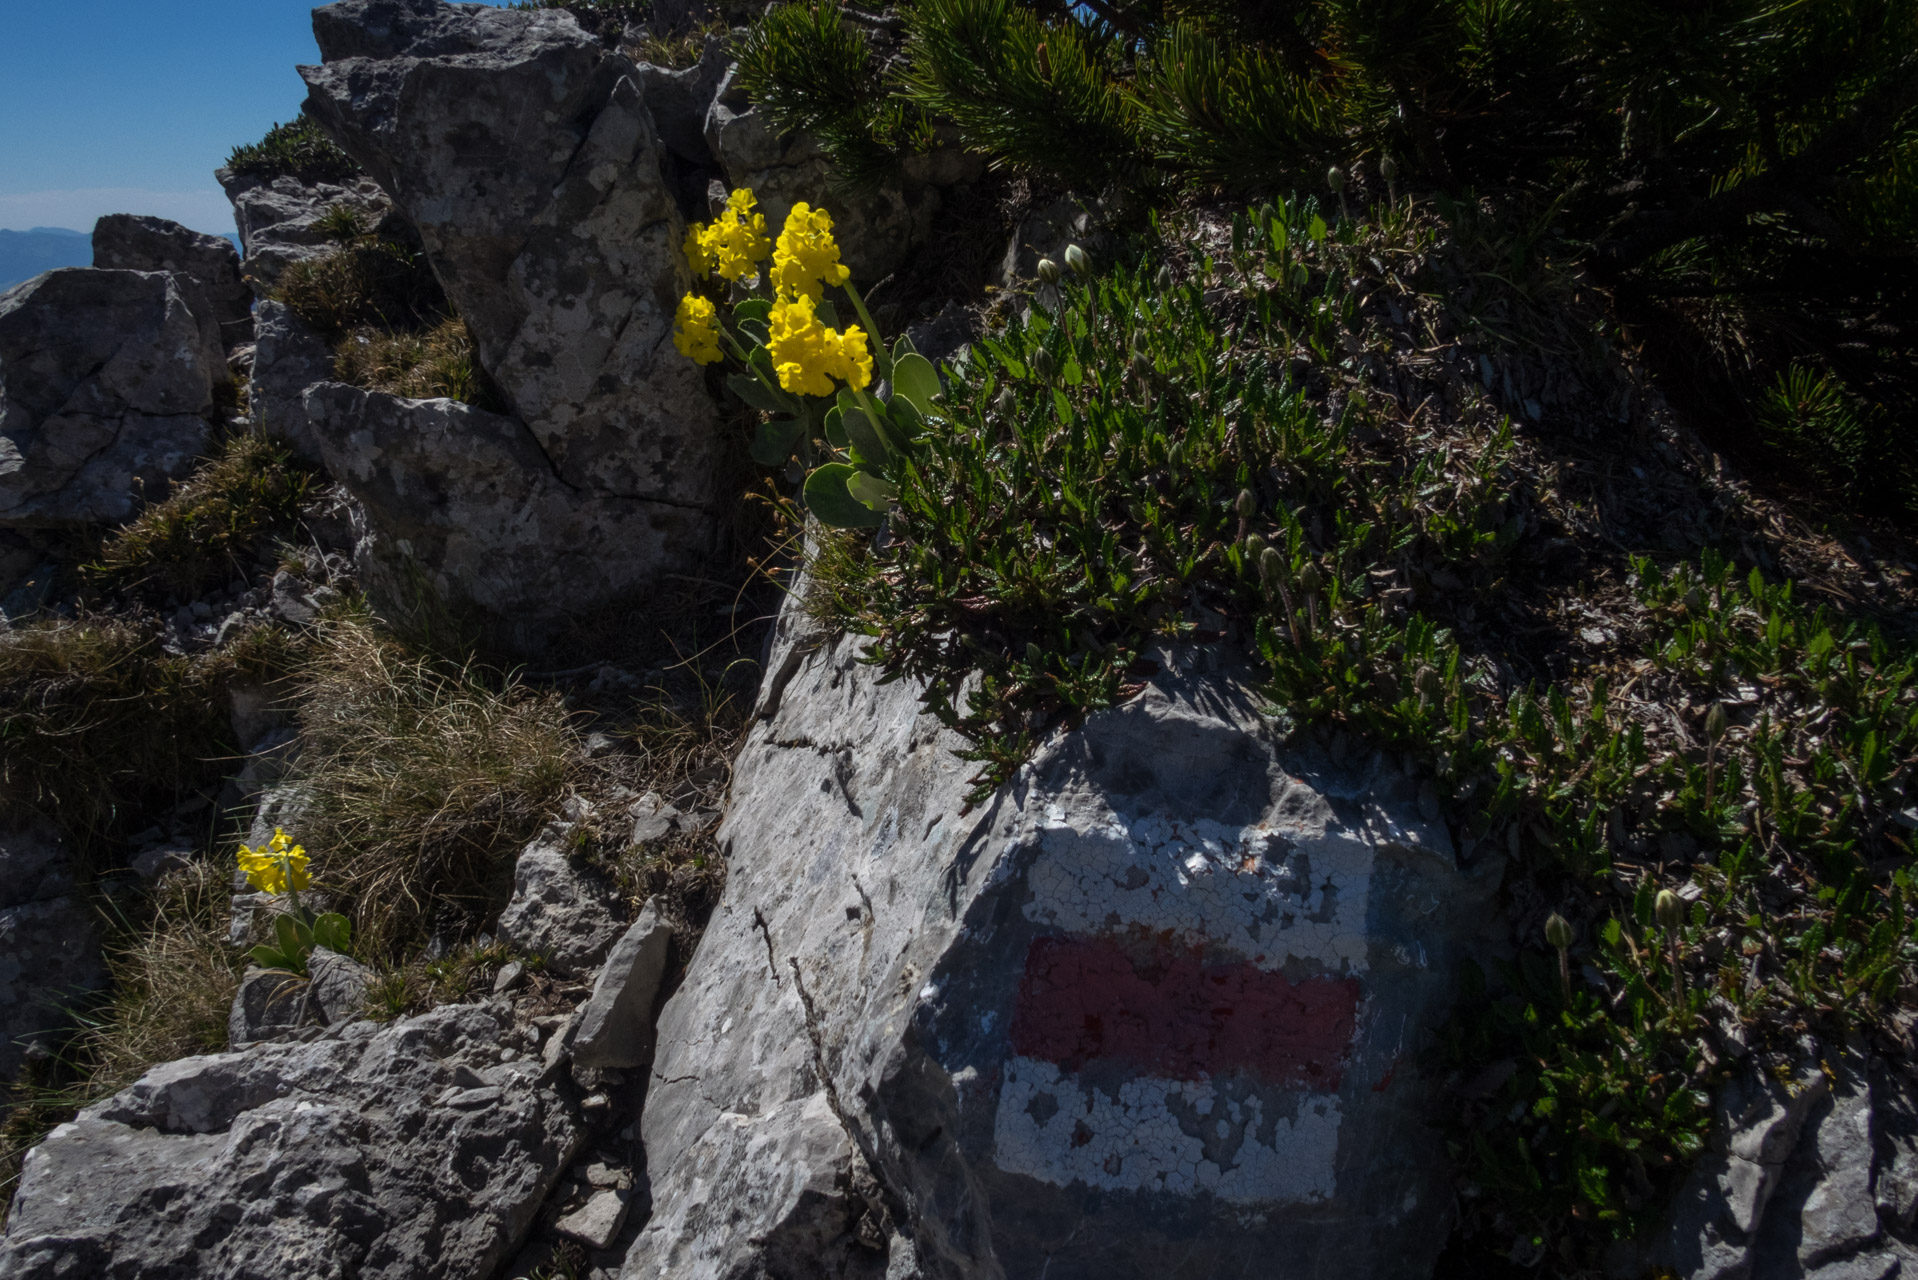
column 25, row 254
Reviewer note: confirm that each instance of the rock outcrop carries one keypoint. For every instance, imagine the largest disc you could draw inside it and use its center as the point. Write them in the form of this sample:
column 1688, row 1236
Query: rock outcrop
column 557, row 910
column 419, row 1150
column 523, row 153
column 1155, row 1008
column 106, row 392
column 279, row 220
column 49, row 943
column 133, row 242
column 288, row 357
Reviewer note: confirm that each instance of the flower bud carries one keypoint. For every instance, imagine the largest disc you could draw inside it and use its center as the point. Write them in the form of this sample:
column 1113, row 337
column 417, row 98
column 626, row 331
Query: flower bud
column 1163, row 281
column 1715, row 722
column 1558, row 931
column 1042, row 365
column 1254, row 548
column 1271, row 567
column 1048, row 271
column 1335, row 179
column 1005, row 402
column 1310, row 580
column 1035, row 656
column 1141, row 365
column 1694, row 601
column 1428, row 682
column 1389, row 170
column 1175, row 456
column 1669, row 909
column 1076, row 259
column 1247, row 506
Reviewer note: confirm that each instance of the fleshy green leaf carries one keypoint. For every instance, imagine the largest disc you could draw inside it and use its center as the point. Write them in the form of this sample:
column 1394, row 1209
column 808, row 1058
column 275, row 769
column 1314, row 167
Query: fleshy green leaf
column 835, row 428
column 333, row 932
column 828, row 499
column 914, row 379
column 876, row 494
column 756, row 393
column 775, row 440
column 753, row 309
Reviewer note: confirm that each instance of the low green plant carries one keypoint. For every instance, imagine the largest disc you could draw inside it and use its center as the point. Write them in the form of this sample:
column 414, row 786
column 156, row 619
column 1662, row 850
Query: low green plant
column 278, row 866
column 299, row 149
column 419, row 364
column 366, row 281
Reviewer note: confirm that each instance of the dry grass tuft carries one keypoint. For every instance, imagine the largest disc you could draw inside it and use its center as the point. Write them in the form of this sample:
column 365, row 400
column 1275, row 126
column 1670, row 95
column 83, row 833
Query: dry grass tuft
column 173, row 982
column 419, row 364
column 99, row 726
column 423, row 780
column 212, row 524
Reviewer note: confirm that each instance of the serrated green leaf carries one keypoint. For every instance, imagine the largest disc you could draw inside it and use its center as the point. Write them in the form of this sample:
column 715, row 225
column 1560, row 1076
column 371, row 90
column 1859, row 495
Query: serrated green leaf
column 914, row 379
column 776, row 439
column 829, row 500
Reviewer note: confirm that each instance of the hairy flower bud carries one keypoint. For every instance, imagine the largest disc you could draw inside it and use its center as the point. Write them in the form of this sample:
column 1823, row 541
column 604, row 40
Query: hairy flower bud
column 1042, row 365
column 1141, row 365
column 1048, row 271
column 1271, row 567
column 1715, row 722
column 1335, row 179
column 1428, row 682
column 1669, row 909
column 1254, row 548
column 1175, row 456
column 1558, row 931
column 1247, row 506
column 1077, row 259
column 1388, row 169
column 1035, row 656
column 1005, row 402
column 1310, row 579
column 1163, row 281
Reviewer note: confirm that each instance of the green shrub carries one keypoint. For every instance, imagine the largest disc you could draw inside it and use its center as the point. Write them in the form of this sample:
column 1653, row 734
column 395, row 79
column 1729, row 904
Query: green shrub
column 299, row 149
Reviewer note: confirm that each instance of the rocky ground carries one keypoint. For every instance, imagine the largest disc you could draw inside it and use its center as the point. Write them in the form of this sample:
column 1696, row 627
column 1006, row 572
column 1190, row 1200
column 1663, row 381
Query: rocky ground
column 699, row 958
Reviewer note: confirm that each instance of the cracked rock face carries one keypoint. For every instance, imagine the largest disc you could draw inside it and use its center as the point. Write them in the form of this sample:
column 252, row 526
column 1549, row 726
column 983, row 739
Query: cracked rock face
column 1154, row 1008
column 524, row 154
column 133, row 242
column 463, row 503
column 106, row 392
column 49, row 941
column 406, row 1152
column 279, row 220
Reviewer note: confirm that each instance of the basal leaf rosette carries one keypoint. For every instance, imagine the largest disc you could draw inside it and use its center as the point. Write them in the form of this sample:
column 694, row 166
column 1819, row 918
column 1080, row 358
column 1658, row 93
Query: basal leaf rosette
column 764, row 306
column 279, row 867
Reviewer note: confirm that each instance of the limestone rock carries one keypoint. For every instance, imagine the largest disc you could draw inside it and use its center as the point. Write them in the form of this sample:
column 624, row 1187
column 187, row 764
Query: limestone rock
column 616, row 1024
column 288, row 357
column 132, row 242
column 876, row 232
column 524, row 154
column 279, row 220
column 464, row 504
column 679, row 99
column 267, row 1003
column 409, row 1152
column 339, row 985
column 106, row 392
column 49, row 942
column 557, row 910
column 1155, row 1008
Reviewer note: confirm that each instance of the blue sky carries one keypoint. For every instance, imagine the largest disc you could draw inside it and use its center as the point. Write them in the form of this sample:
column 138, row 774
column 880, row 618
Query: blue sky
column 127, row 106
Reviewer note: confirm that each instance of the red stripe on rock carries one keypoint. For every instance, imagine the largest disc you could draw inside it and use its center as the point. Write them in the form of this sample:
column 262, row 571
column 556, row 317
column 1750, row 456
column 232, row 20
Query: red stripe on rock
column 1171, row 1016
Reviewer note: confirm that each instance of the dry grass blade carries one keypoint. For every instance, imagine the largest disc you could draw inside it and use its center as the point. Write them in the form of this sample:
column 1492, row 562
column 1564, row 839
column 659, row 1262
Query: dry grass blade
column 423, row 782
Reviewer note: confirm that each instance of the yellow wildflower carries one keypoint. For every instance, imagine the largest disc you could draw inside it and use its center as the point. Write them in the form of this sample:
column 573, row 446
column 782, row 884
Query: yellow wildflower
column 696, row 329
column 733, row 244
column 807, row 259
column 808, row 355
column 277, row 865
column 697, row 257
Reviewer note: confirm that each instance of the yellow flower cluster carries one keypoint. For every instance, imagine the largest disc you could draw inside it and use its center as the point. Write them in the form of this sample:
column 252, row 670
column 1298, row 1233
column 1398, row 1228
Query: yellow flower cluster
column 696, row 329
column 733, row 244
column 276, row 866
column 807, row 259
column 808, row 355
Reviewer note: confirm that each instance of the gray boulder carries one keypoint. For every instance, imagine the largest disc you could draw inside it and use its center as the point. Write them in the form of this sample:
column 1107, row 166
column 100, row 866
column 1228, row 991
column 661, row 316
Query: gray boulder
column 558, row 910
column 615, row 1027
column 410, row 1152
column 106, row 392
column 49, row 942
column 463, row 505
column 876, row 231
column 267, row 1003
column 133, row 242
column 288, row 357
column 1155, row 1008
column 524, row 154
column 279, row 220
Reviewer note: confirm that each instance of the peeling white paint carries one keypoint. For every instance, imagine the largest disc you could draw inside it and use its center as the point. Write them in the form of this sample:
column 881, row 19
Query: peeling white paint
column 1177, row 1136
